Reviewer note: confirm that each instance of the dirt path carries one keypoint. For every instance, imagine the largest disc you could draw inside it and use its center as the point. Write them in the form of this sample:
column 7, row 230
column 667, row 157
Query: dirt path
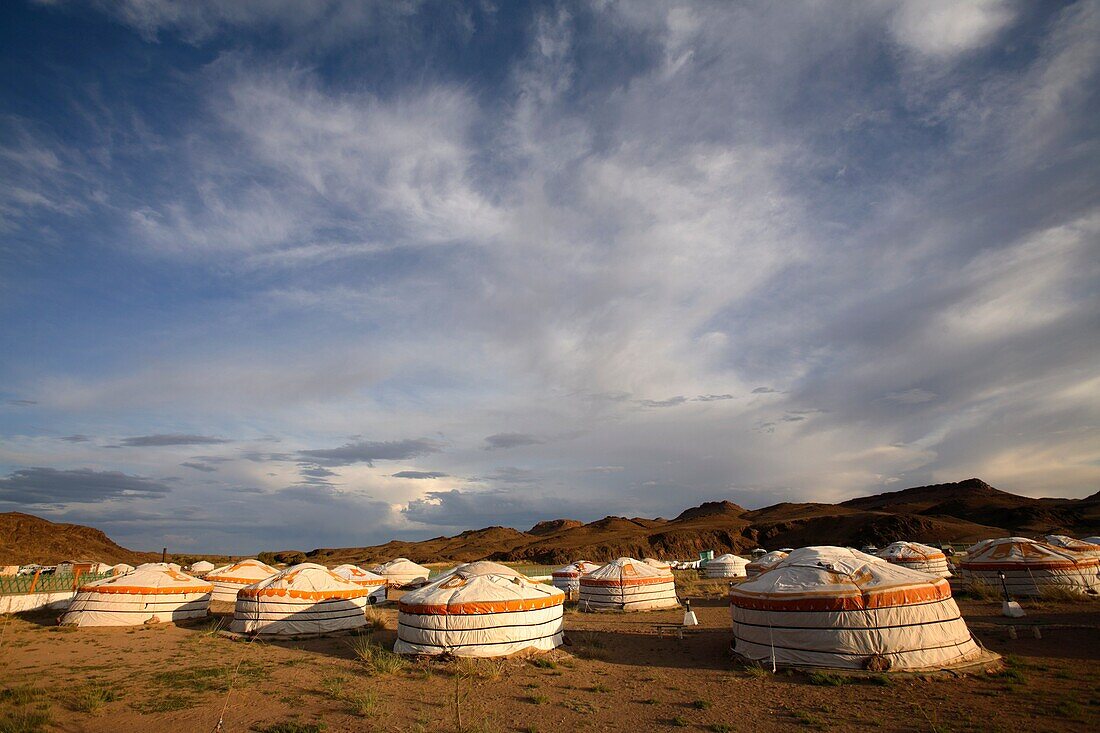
column 616, row 674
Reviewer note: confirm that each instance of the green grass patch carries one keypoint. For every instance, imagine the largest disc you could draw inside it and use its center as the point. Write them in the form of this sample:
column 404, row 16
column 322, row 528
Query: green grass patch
column 377, row 659
column 210, row 679
column 679, row 722
column 92, row 698
column 827, row 679
column 543, row 663
column 291, row 726
column 24, row 721
column 701, row 704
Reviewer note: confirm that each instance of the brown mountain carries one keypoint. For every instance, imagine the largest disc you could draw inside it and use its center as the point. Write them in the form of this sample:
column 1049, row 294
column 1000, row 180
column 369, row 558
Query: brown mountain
column 26, row 539
column 965, row 511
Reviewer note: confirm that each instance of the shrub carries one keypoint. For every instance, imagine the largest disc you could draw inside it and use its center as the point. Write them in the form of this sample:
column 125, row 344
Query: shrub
column 826, row 679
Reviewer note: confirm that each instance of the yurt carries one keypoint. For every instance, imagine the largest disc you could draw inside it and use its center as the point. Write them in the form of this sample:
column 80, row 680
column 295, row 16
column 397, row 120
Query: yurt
column 303, row 599
column 121, row 569
column 1092, row 540
column 480, row 609
column 100, row 568
column 150, row 593
column 765, row 562
column 364, row 579
column 202, row 567
column 841, row 608
column 916, row 556
column 658, row 564
column 401, row 571
column 568, row 578
column 1079, row 547
column 628, row 585
column 1030, row 567
column 231, row 578
column 726, row 566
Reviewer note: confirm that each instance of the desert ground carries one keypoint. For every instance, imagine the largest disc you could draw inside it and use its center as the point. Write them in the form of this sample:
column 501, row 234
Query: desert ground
column 617, row 672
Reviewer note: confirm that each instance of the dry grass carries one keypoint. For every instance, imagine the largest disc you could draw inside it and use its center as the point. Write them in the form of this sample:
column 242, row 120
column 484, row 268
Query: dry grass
column 489, row 670
column 689, row 583
column 92, row 698
column 377, row 659
column 375, row 621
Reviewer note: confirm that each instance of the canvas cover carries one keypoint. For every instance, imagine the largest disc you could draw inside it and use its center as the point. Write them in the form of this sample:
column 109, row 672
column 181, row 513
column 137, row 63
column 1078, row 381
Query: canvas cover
column 303, row 599
column 121, row 569
column 401, row 571
column 1030, row 567
column 916, row 556
column 1080, row 547
column 765, row 562
column 659, row 564
column 629, row 585
column 364, row 579
column 1092, row 540
column 841, row 608
column 480, row 609
column 231, row 578
column 726, row 566
column 202, row 566
column 149, row 593
column 568, row 578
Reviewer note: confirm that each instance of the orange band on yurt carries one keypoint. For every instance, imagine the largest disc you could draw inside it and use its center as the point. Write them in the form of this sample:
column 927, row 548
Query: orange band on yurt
column 627, row 581
column 145, row 591
column 519, row 604
column 1048, row 565
column 319, row 595
column 854, row 602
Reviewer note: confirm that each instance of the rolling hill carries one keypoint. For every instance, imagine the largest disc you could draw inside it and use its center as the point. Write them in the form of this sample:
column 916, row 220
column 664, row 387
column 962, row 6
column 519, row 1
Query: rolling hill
column 965, row 511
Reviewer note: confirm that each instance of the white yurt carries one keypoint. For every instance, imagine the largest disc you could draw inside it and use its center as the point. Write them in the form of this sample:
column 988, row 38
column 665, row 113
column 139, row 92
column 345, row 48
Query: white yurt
column 1092, row 540
column 1029, row 567
column 1080, row 547
column 401, row 571
column 765, row 562
column 229, row 579
column 364, row 579
column 726, row 566
column 568, row 578
column 121, row 569
column 480, row 609
column 149, row 593
column 916, row 556
column 658, row 564
column 841, row 608
column 202, row 567
column 303, row 599
column 629, row 585
column 100, row 568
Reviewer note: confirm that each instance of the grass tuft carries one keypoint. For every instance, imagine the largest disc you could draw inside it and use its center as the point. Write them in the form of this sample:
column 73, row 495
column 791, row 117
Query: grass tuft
column 826, row 679
column 701, row 704
column 378, row 660
column 292, row 726
column 92, row 698
column 24, row 721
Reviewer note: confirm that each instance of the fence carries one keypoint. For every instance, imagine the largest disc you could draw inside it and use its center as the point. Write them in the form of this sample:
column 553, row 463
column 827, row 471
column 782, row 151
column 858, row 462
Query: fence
column 42, row 583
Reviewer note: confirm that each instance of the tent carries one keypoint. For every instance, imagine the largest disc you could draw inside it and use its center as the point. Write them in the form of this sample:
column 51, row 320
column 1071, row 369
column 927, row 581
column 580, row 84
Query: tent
column 121, row 569
column 838, row 607
column 231, row 578
column 629, row 585
column 303, row 599
column 151, row 592
column 364, row 579
column 1079, row 547
column 658, row 564
column 764, row 563
column 1092, row 540
column 1030, row 567
column 726, row 566
column 401, row 571
column 568, row 578
column 100, row 568
column 916, row 556
column 202, row 566
column 480, row 609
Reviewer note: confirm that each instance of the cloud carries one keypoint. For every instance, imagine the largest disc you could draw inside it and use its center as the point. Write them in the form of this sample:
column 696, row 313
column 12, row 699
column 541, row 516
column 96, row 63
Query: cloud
column 370, row 451
column 510, row 440
column 470, row 509
column 206, row 468
column 165, row 439
column 765, row 390
column 915, row 396
column 670, row 402
column 712, row 397
column 420, row 474
column 76, row 438
column 942, row 28
column 22, row 403
column 36, row 486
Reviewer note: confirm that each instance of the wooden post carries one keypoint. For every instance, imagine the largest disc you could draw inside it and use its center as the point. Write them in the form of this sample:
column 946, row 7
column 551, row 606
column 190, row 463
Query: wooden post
column 34, row 582
column 164, row 555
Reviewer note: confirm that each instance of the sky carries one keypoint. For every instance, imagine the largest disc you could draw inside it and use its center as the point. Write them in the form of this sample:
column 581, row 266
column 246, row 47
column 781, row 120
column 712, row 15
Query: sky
column 281, row 275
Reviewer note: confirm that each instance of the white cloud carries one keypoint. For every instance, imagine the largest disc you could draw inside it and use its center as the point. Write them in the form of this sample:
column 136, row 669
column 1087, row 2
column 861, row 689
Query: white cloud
column 942, row 29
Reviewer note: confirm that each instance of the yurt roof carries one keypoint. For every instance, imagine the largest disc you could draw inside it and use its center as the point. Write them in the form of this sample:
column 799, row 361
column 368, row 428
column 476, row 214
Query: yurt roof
column 477, row 591
column 244, row 571
column 728, row 559
column 836, row 578
column 305, row 580
column 1070, row 543
column 357, row 574
column 399, row 566
column 577, row 566
column 202, row 566
column 149, row 579
column 625, row 570
column 910, row 551
column 1009, row 552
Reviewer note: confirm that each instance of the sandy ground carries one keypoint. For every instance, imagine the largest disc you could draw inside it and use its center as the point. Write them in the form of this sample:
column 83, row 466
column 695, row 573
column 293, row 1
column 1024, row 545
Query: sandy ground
column 617, row 673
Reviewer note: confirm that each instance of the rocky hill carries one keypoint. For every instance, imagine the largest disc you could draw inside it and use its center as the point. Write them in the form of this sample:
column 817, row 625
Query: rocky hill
column 965, row 511
column 26, row 539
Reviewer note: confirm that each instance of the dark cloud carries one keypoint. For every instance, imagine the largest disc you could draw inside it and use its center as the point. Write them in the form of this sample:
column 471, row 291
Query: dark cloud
column 370, row 451
column 261, row 457
column 765, row 390
column 511, row 440
column 512, row 475
column 670, row 402
column 22, row 403
column 713, row 397
column 199, row 466
column 163, row 439
column 316, row 471
column 420, row 474
column 51, row 486
column 76, row 438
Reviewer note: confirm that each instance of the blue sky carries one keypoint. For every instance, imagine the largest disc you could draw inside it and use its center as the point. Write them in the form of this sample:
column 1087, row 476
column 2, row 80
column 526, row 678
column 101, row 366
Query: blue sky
column 277, row 275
